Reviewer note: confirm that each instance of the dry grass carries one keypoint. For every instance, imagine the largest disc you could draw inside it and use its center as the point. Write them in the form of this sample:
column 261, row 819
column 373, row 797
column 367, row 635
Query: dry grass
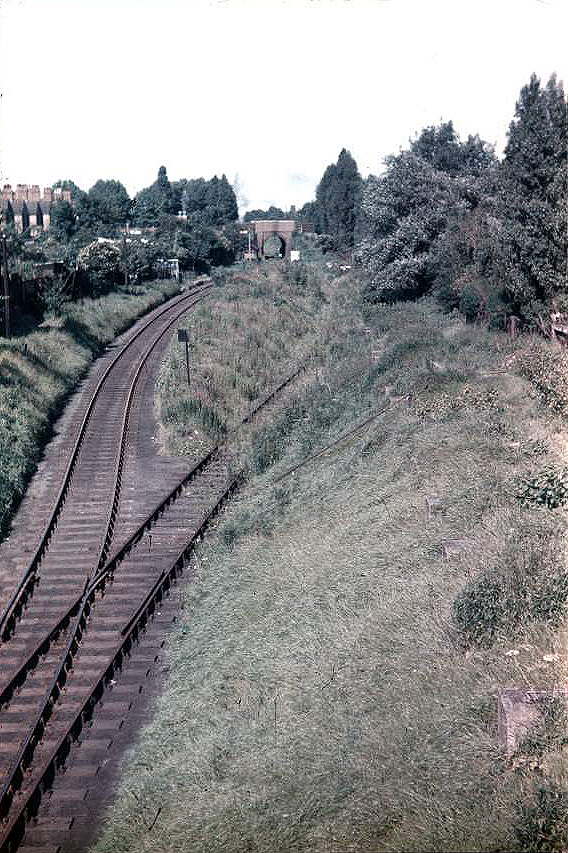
column 39, row 369
column 320, row 697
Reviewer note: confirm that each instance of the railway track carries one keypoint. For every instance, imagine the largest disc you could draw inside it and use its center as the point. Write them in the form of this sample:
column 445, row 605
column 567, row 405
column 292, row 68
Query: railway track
column 81, row 616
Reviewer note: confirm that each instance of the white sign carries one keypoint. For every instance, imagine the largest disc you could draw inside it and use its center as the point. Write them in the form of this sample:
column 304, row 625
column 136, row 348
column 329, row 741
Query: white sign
column 294, row 255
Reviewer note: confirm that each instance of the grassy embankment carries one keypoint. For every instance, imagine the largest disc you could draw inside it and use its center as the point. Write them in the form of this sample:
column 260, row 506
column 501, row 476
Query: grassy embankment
column 39, row 369
column 334, row 685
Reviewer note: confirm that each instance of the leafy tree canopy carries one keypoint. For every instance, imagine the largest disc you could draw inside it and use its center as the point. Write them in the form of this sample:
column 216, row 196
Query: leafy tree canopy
column 407, row 210
column 272, row 213
column 110, row 202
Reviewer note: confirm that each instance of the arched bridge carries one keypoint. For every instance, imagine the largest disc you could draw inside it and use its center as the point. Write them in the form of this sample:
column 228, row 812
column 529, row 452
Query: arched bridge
column 280, row 228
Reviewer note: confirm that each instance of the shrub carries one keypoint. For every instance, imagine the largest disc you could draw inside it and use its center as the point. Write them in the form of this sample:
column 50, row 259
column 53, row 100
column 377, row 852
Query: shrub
column 530, row 584
column 547, row 488
column 326, row 243
column 548, row 371
column 470, row 303
column 477, row 611
column 543, row 825
column 299, row 274
column 101, row 265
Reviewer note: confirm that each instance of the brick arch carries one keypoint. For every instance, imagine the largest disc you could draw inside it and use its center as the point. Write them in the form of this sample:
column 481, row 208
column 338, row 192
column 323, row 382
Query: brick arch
column 282, row 228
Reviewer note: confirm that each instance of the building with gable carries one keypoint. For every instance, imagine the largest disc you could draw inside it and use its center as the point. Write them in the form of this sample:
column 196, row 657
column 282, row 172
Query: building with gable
column 27, row 208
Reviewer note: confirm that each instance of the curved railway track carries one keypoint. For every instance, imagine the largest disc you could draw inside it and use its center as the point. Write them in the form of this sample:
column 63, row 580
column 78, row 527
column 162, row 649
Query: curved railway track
column 73, row 626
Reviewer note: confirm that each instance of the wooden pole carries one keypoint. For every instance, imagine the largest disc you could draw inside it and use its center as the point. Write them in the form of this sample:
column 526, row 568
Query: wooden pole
column 6, row 285
column 187, row 359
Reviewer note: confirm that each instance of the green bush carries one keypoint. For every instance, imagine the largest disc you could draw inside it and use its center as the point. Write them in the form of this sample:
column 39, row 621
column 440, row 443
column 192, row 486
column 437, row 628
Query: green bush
column 547, row 488
column 531, row 584
column 470, row 302
column 547, row 369
column 543, row 825
column 299, row 274
column 478, row 612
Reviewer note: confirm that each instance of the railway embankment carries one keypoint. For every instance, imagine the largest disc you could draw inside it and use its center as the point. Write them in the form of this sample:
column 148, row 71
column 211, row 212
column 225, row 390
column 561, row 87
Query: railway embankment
column 39, row 370
column 395, row 559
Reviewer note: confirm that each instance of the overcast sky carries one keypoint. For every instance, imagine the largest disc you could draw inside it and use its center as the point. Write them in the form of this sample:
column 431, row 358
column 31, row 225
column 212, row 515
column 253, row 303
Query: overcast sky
column 266, row 90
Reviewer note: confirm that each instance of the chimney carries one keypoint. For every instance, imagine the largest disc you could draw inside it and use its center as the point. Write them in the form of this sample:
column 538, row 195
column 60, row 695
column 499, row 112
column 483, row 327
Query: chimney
column 22, row 192
column 47, row 194
column 34, row 193
column 7, row 194
column 67, row 196
column 57, row 193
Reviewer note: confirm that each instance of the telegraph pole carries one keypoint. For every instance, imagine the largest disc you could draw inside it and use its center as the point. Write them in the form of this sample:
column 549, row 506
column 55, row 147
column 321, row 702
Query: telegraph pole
column 6, row 285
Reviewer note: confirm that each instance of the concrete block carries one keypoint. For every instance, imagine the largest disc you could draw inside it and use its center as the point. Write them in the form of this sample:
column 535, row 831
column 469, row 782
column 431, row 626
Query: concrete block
column 519, row 710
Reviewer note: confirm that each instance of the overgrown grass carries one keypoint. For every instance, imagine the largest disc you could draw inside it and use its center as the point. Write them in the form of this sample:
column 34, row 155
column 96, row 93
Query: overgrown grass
column 39, row 369
column 334, row 686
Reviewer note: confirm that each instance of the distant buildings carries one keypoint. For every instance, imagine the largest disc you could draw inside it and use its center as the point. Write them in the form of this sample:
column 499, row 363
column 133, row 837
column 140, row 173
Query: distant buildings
column 27, row 208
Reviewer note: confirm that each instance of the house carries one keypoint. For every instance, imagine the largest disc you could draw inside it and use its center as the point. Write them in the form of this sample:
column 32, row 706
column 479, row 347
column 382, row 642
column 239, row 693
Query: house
column 27, row 208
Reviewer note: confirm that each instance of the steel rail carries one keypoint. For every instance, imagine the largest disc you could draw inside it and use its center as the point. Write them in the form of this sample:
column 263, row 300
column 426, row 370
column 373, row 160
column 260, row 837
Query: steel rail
column 25, row 752
column 28, row 576
column 16, row 823
column 111, row 565
column 94, row 583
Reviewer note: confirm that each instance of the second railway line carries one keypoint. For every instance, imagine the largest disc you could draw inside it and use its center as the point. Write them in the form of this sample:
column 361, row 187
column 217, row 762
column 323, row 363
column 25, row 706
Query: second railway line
column 75, row 628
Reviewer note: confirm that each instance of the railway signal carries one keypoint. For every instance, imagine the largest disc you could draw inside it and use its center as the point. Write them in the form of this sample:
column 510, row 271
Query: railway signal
column 183, row 336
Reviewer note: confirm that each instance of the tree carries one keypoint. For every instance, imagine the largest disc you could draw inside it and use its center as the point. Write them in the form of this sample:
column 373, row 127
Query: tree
column 67, row 184
column 338, row 198
column 101, row 265
column 154, row 201
column 110, row 202
column 62, row 221
column 407, row 211
column 221, row 202
column 271, row 213
column 533, row 243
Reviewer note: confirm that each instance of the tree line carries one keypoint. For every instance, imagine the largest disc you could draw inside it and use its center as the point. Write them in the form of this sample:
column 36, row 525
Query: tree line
column 488, row 236
column 192, row 220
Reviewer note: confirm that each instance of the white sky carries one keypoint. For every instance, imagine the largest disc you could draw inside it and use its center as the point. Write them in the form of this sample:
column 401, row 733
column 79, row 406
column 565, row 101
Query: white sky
column 270, row 90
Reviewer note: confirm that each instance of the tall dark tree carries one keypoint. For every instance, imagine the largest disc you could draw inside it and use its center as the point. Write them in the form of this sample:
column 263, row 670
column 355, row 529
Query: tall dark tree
column 222, row 202
column 62, row 222
column 155, row 201
column 533, row 193
column 338, row 198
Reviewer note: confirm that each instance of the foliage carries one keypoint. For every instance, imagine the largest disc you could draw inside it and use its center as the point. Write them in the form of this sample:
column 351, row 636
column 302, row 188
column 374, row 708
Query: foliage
column 547, row 369
column 543, row 824
column 529, row 584
column 154, row 201
column 338, row 198
column 110, row 202
column 426, row 191
column 54, row 293
column 299, row 273
column 103, row 265
column 548, row 488
column 62, row 220
column 325, row 243
column 532, row 200
column 271, row 213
